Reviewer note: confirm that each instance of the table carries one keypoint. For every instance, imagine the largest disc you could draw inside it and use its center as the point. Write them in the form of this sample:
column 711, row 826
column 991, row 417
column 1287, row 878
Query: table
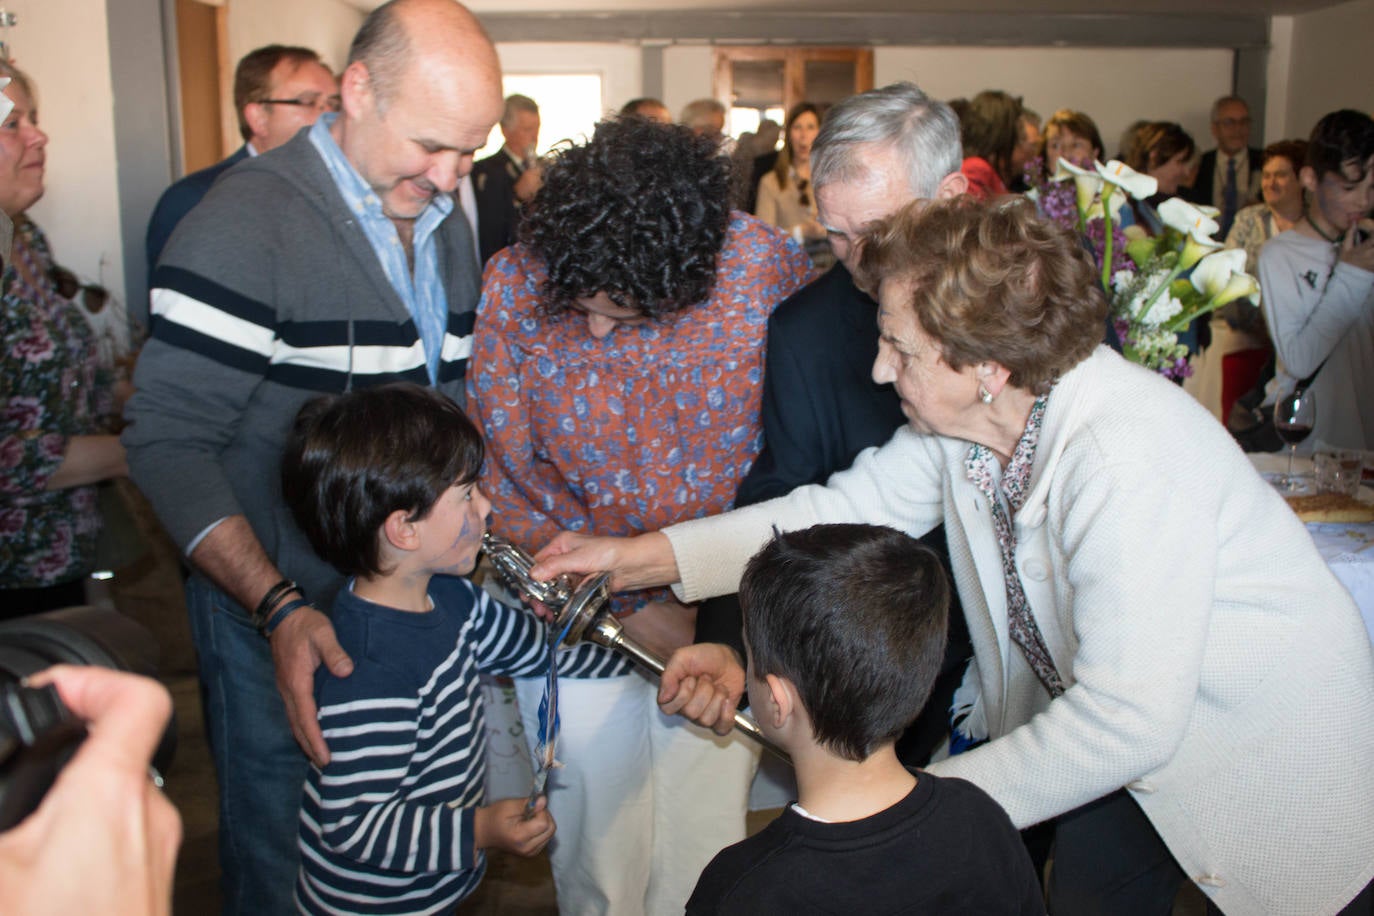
column 1347, row 548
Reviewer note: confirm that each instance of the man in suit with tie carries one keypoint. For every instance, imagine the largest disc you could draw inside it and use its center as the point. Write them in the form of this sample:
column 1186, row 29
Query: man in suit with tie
column 277, row 91
column 503, row 182
column 1228, row 176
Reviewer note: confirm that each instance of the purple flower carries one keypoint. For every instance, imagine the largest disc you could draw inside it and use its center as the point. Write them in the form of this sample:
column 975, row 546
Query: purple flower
column 1059, row 203
column 1098, row 245
column 11, row 453
column 59, row 556
column 34, row 349
column 52, row 446
column 23, row 413
column 12, row 521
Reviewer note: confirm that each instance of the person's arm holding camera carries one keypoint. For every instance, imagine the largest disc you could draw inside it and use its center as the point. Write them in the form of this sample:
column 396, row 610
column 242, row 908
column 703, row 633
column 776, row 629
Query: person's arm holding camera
column 104, row 838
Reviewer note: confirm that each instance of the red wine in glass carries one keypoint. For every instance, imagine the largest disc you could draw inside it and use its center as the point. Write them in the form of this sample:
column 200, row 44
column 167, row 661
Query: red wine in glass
column 1295, row 413
column 1293, row 433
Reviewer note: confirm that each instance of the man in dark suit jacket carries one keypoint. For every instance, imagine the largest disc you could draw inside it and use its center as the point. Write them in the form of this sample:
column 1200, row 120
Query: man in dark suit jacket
column 277, row 91
column 1232, row 156
column 821, row 406
column 501, row 183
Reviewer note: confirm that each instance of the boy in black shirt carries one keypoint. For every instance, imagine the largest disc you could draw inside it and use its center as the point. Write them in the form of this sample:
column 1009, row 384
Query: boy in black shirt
column 845, row 630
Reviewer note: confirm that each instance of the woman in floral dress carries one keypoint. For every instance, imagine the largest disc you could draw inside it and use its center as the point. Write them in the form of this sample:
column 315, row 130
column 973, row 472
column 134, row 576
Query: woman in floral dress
column 56, row 406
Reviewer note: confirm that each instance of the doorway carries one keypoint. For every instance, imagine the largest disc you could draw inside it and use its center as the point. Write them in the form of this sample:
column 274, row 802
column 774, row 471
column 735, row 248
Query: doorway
column 202, row 48
column 766, row 81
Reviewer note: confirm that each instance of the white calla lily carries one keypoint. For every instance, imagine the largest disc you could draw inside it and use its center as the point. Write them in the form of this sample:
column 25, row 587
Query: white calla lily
column 1197, row 228
column 1188, row 219
column 1214, row 271
column 1241, row 285
column 1121, row 175
column 1087, row 182
column 1111, row 202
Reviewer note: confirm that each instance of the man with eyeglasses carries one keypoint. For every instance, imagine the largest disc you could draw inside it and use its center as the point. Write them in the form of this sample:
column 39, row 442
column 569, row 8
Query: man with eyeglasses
column 277, row 91
column 1228, row 177
column 336, row 261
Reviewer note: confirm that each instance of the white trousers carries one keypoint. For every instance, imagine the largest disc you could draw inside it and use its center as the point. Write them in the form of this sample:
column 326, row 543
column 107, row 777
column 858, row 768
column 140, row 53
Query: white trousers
column 643, row 800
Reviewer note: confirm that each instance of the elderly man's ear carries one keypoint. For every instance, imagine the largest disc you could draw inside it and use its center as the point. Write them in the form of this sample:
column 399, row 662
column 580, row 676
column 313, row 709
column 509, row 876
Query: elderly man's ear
column 952, row 185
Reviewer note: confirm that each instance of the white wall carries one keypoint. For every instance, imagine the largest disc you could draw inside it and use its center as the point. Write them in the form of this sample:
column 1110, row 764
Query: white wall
column 326, row 26
column 1112, row 86
column 1330, row 64
column 687, row 75
column 80, row 210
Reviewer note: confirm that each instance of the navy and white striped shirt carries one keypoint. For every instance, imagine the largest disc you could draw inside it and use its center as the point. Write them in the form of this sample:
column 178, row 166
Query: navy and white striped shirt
column 387, row 825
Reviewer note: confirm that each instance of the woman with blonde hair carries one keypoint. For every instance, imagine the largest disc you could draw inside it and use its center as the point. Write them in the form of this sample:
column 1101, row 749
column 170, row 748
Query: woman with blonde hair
column 55, row 442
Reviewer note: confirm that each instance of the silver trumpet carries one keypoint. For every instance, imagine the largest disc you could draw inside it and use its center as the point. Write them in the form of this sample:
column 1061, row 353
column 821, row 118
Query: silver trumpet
column 583, row 611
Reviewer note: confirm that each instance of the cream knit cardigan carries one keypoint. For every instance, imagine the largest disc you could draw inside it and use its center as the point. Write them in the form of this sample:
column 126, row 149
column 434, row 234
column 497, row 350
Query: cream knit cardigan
column 1215, row 667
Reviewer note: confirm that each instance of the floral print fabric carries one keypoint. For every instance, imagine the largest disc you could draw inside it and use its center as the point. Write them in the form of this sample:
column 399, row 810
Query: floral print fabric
column 1014, row 486
column 653, row 424
column 50, row 389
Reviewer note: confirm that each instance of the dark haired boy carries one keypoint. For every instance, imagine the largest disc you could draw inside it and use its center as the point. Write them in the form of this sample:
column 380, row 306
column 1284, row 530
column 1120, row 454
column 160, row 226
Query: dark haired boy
column 845, row 631
column 1318, row 282
column 382, row 482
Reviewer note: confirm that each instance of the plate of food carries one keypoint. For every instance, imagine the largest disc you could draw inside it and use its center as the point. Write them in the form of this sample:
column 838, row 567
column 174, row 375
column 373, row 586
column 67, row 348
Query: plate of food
column 1332, row 507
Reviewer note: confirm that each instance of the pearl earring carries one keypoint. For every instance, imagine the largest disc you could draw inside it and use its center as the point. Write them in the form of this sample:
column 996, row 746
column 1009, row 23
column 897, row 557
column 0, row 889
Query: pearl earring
column 983, row 394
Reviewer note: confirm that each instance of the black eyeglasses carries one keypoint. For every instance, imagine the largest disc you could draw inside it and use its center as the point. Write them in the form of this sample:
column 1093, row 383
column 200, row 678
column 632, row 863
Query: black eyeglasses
column 325, row 103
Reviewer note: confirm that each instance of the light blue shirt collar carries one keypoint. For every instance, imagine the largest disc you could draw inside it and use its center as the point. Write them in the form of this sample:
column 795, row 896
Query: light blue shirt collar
column 422, row 292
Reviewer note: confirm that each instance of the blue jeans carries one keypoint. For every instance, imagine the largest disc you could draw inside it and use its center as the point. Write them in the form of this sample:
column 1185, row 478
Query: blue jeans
column 259, row 766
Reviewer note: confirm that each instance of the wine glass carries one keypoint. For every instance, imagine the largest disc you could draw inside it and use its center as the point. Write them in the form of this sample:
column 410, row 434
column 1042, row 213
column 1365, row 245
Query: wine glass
column 1294, row 415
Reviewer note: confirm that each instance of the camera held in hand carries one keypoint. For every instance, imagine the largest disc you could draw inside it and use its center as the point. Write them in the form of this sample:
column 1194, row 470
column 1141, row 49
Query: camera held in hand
column 38, row 735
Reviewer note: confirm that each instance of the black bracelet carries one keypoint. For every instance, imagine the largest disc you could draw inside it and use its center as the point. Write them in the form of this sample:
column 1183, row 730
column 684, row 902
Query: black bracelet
column 281, row 613
column 269, row 600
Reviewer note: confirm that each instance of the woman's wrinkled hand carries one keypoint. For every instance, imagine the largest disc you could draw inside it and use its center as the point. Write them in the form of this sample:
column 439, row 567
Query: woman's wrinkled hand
column 645, row 561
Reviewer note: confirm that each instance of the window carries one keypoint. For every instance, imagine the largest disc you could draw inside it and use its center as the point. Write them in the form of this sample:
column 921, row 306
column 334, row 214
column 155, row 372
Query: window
column 569, row 106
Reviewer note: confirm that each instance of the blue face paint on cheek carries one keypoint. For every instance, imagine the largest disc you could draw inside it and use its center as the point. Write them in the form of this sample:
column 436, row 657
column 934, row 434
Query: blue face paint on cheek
column 464, row 533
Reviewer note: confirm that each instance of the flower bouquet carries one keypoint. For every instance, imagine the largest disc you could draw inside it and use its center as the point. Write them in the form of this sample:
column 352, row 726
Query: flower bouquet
column 1156, row 286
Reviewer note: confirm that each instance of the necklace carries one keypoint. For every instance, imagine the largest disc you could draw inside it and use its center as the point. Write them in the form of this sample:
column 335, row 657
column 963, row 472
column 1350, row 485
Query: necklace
column 1313, row 223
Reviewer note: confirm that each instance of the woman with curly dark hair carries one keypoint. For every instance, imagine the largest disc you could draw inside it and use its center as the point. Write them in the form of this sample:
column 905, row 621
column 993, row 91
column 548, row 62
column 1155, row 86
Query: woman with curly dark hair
column 616, row 372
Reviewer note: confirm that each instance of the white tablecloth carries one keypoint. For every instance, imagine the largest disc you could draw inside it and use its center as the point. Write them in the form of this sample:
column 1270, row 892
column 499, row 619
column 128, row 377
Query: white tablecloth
column 1347, row 548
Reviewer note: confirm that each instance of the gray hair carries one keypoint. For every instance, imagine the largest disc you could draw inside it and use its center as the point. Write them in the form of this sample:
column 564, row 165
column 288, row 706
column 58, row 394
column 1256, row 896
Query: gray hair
column 383, row 46
column 696, row 113
column 1227, row 100
column 923, row 132
column 514, row 105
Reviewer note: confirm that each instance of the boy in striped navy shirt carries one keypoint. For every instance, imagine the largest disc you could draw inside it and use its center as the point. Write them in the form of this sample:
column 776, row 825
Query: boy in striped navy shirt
column 383, row 483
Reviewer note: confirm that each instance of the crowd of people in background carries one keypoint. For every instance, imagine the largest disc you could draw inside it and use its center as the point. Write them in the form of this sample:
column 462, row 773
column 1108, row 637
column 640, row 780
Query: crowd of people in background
column 659, row 323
